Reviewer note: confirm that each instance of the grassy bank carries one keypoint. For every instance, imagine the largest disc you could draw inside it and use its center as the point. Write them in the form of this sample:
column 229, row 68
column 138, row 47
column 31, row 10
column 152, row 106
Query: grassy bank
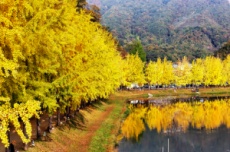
column 217, row 91
column 105, row 137
column 98, row 125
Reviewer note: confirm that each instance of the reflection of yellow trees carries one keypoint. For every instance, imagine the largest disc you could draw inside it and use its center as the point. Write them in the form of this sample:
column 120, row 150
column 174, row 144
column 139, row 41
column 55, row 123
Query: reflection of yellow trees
column 182, row 115
column 226, row 113
column 209, row 115
column 133, row 126
column 197, row 120
column 167, row 115
column 153, row 118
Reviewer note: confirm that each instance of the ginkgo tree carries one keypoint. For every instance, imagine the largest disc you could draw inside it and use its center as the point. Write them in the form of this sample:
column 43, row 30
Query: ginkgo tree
column 53, row 56
column 76, row 62
column 213, row 68
column 99, row 72
column 159, row 72
column 133, row 70
column 226, row 70
column 183, row 72
column 197, row 72
column 13, row 76
column 168, row 75
column 154, row 72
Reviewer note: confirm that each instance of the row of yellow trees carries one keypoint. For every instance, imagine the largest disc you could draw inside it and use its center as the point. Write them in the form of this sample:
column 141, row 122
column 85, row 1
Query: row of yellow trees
column 177, row 117
column 208, row 71
column 53, row 57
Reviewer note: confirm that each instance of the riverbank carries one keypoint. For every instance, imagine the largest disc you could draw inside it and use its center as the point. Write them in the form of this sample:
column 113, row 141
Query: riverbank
column 208, row 91
column 96, row 127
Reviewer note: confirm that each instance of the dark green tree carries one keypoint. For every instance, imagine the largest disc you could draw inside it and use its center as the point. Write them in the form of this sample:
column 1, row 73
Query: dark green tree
column 223, row 51
column 136, row 48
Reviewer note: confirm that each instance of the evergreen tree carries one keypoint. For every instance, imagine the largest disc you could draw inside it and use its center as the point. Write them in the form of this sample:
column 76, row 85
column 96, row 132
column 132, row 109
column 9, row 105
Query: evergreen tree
column 224, row 51
column 136, row 48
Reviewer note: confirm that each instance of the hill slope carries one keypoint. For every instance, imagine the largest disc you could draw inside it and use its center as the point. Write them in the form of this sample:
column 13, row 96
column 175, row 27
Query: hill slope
column 171, row 28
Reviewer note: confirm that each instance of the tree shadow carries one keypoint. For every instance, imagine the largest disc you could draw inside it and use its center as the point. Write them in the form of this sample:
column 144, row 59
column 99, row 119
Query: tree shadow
column 78, row 120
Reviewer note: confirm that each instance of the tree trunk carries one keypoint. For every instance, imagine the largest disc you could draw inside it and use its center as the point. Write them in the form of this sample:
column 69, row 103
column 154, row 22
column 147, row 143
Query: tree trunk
column 58, row 117
column 58, row 114
column 8, row 148
column 50, row 124
column 67, row 111
column 38, row 129
column 76, row 111
column 25, row 147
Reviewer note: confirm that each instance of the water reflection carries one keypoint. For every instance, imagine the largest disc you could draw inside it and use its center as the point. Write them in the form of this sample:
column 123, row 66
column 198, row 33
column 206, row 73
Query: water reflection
column 191, row 126
column 177, row 117
column 190, row 141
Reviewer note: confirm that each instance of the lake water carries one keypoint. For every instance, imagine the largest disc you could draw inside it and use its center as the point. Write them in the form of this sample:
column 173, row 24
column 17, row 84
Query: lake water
column 177, row 140
column 191, row 141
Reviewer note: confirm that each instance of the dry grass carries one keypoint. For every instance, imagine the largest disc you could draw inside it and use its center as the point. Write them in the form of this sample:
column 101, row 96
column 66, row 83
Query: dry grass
column 68, row 139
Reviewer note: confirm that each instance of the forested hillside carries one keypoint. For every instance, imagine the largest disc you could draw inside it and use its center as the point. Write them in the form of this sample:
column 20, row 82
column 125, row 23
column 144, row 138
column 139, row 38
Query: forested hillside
column 172, row 28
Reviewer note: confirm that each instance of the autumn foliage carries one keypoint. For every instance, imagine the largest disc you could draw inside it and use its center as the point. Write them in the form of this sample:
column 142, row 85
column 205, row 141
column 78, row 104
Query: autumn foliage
column 177, row 117
column 210, row 71
column 53, row 57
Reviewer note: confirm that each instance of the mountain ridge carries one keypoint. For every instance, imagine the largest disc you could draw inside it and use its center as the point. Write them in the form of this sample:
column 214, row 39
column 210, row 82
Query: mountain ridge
column 171, row 28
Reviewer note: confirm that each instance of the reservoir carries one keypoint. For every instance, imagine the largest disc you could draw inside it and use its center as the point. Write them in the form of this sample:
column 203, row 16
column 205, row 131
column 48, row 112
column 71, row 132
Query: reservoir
column 177, row 125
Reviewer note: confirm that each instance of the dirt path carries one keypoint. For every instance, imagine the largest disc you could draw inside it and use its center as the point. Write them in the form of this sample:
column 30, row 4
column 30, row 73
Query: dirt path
column 70, row 139
column 85, row 140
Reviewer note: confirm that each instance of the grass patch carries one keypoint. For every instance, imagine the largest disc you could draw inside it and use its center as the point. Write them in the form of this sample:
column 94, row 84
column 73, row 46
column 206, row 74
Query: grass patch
column 104, row 138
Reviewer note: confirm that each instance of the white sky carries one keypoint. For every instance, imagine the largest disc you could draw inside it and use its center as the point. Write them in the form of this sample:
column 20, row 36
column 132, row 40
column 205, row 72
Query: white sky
column 229, row 1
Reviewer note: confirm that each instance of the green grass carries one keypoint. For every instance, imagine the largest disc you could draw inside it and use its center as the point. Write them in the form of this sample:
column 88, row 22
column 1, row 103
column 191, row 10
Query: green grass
column 104, row 137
